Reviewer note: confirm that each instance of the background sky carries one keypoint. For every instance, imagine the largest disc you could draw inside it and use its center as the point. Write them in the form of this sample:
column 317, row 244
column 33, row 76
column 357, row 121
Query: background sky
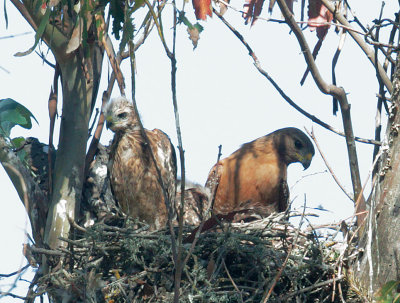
column 222, row 99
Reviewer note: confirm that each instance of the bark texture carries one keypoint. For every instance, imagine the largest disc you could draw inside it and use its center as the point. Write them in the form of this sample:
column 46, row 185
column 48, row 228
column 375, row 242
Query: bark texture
column 379, row 261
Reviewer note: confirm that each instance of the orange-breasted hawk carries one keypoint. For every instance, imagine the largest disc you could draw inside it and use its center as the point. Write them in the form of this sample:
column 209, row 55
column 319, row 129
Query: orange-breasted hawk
column 133, row 174
column 254, row 176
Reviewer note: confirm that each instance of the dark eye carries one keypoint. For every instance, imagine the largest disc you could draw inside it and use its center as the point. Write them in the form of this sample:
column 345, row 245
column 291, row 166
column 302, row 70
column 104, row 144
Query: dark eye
column 298, row 144
column 122, row 115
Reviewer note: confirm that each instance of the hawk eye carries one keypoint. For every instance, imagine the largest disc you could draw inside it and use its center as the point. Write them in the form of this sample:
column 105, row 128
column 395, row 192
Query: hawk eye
column 122, row 115
column 298, row 144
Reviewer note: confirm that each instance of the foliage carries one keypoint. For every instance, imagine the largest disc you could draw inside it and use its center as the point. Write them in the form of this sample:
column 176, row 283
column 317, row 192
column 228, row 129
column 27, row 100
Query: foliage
column 389, row 293
column 13, row 113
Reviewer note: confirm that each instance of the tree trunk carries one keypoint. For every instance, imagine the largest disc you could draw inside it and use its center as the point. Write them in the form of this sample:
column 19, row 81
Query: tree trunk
column 80, row 77
column 380, row 261
column 77, row 89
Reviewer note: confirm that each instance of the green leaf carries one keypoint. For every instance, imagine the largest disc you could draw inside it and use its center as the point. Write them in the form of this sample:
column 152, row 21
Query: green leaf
column 39, row 33
column 13, row 113
column 117, row 12
column 199, row 27
column 127, row 33
column 18, row 143
column 388, row 288
column 138, row 4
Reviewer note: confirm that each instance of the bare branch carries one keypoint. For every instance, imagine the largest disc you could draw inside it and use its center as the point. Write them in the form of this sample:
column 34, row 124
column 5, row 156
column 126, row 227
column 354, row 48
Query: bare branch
column 328, row 166
column 363, row 45
column 282, row 93
column 315, row 286
column 233, row 282
column 109, row 48
column 159, row 28
column 15, row 272
column 332, row 90
column 29, row 192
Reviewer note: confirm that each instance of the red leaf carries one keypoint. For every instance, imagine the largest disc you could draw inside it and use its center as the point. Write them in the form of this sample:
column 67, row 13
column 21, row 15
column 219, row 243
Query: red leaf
column 318, row 16
column 202, row 8
column 252, row 9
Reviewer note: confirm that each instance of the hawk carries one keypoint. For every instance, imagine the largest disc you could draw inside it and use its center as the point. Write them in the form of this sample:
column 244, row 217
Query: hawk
column 133, row 173
column 254, row 176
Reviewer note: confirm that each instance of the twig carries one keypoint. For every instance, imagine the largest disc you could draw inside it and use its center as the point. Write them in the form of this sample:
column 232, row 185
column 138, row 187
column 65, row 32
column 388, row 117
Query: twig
column 15, row 272
column 16, row 35
column 75, row 225
column 334, row 62
column 269, row 293
column 109, row 48
column 307, row 289
column 311, row 134
column 282, row 93
column 233, row 282
column 159, row 27
column 337, row 92
column 94, row 121
column 52, row 65
column 365, row 48
column 9, row 294
column 219, row 152
column 46, row 251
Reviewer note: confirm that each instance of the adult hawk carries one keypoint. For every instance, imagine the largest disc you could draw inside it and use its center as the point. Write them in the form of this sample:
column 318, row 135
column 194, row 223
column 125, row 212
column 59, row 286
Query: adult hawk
column 133, row 173
column 254, row 176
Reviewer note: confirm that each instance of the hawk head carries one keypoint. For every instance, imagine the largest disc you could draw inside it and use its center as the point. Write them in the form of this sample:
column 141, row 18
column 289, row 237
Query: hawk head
column 293, row 146
column 120, row 114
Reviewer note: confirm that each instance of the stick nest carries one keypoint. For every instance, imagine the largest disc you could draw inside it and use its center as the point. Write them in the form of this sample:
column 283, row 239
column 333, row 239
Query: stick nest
column 119, row 260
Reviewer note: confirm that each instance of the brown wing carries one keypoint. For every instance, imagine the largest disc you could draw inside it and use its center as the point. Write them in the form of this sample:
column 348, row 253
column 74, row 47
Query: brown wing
column 134, row 176
column 283, row 201
column 196, row 202
column 164, row 153
column 249, row 176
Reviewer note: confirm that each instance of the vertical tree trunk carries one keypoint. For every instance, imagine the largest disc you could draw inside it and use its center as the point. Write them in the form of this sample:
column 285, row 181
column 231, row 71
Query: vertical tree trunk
column 380, row 260
column 69, row 166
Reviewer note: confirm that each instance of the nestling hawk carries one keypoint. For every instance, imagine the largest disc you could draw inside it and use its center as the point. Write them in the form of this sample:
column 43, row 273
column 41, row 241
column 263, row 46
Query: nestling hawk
column 133, row 175
column 254, row 176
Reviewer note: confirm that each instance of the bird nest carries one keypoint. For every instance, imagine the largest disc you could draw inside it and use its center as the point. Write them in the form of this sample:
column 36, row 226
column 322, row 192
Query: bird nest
column 120, row 260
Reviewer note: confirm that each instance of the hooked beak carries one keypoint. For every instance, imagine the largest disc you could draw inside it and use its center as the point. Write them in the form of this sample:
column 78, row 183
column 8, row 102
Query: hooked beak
column 307, row 161
column 109, row 122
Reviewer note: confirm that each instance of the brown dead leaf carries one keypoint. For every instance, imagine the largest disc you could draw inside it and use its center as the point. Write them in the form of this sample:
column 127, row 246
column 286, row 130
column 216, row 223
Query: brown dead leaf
column 223, row 7
column 194, row 35
column 318, row 17
column 76, row 38
column 252, row 9
column 210, row 267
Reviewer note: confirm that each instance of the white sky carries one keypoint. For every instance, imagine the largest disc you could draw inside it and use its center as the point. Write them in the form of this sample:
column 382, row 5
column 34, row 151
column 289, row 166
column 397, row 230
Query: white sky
column 222, row 99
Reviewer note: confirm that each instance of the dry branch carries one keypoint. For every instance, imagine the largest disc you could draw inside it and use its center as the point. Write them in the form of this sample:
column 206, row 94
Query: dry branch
column 361, row 42
column 282, row 93
column 28, row 191
column 328, row 166
column 334, row 91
